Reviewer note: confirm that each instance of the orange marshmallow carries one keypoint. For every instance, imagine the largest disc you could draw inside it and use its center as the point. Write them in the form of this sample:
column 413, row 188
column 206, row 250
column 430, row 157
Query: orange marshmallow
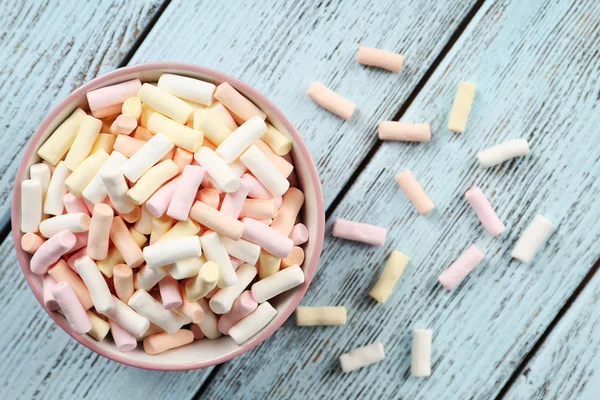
column 237, row 104
column 209, row 196
column 142, row 133
column 182, row 158
column 30, row 242
column 125, row 244
column 415, row 193
column 61, row 272
column 331, row 101
column 123, row 281
column 296, row 257
column 162, row 342
column 123, row 125
column 380, row 58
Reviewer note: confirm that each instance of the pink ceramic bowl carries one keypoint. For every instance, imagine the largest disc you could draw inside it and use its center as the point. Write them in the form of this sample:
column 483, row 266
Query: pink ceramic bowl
column 201, row 353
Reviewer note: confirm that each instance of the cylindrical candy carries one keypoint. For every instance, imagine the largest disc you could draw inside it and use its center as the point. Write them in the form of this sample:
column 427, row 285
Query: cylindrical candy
column 222, row 302
column 187, row 88
column 182, row 136
column 162, row 342
column 77, row 222
column 51, row 251
column 391, row 274
column 264, row 170
column 124, row 124
column 124, row 340
column 165, row 253
column 319, row 316
column 49, row 300
column 164, row 103
column 486, row 214
column 159, row 202
column 242, row 249
column 53, row 205
column 279, row 142
column 169, row 293
column 85, row 172
column 503, row 152
column 61, row 272
column 218, row 169
column 150, row 308
column 208, row 325
column 405, row 132
column 152, row 180
column 71, row 307
column 31, row 205
column 148, row 155
column 414, row 192
column 215, row 251
column 357, row 231
column 124, row 242
column 253, row 323
column 99, row 291
column 299, row 234
column 459, row 269
column 30, row 242
column 243, row 108
column 98, row 236
column 80, row 149
column 57, row 145
column 146, row 278
column 330, row 100
column 203, row 283
column 421, row 353
column 278, row 283
column 75, row 204
column 296, row 257
column 217, row 221
column 179, row 230
column 128, row 319
column 185, row 192
column 531, row 239
column 123, row 281
column 379, row 58
column 100, row 327
column 242, row 307
column 235, row 144
column 114, row 94
column 267, row 238
column 362, row 357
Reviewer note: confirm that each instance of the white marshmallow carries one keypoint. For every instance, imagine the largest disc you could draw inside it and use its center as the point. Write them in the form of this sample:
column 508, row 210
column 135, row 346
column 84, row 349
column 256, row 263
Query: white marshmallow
column 238, row 168
column 53, row 205
column 277, row 283
column 222, row 301
column 41, row 173
column 127, row 318
column 95, row 191
column 253, row 323
column 531, row 239
column 187, row 88
column 75, row 222
column 115, row 185
column 242, row 249
column 362, row 356
column 148, row 155
column 150, row 308
column 235, row 144
column 91, row 276
column 421, row 353
column 186, row 268
column 31, row 205
column 218, row 170
column 503, row 152
column 146, row 278
column 160, row 254
column 208, row 325
column 264, row 170
column 215, row 251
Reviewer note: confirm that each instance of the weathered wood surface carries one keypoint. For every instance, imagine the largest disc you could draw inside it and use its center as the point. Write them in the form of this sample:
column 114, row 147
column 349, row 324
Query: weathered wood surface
column 536, row 71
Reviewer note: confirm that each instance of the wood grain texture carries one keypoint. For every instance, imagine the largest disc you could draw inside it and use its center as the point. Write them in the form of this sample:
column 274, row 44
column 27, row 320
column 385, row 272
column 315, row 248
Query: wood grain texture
column 49, row 49
column 281, row 47
column 536, row 69
column 566, row 365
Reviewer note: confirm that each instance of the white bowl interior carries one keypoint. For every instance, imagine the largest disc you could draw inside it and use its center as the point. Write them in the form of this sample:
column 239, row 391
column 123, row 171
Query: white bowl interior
column 201, row 351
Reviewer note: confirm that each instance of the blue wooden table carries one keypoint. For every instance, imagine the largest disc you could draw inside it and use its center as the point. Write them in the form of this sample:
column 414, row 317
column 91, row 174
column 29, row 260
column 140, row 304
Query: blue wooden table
column 510, row 331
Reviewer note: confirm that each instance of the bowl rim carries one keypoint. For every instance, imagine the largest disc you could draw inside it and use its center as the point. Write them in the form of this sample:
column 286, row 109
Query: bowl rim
column 310, row 266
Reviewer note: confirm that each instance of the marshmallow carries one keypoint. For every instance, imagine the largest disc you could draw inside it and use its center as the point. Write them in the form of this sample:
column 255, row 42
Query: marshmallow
column 185, row 192
column 242, row 249
column 76, row 256
column 486, row 214
column 217, row 221
column 243, row 108
column 161, row 254
column 258, row 209
column 217, row 111
column 123, row 281
column 80, row 149
column 162, row 342
column 147, row 278
column 53, row 205
column 112, row 95
column 128, row 146
column 150, row 308
column 49, row 300
column 100, row 327
column 242, row 307
column 503, row 152
column 189, row 309
column 132, row 106
column 30, row 242
column 181, row 135
column 391, row 274
column 218, row 169
column 379, row 58
column 362, row 357
column 85, row 172
column 41, row 172
column 284, row 167
column 299, row 234
column 531, row 239
column 107, row 112
column 359, row 232
column 414, row 192
column 124, row 124
column 127, row 318
column 277, row 283
column 107, row 265
column 133, row 215
column 124, row 340
column 95, row 192
column 461, row 107
column 208, row 325
column 205, row 281
column 31, row 205
column 265, row 171
column 159, row 202
column 257, row 190
column 75, row 204
column 233, row 202
column 276, row 140
column 215, row 251
column 169, row 293
column 222, row 302
column 331, row 101
column 236, row 143
column 148, row 155
column 89, row 273
column 152, row 330
column 104, row 141
column 61, row 272
column 296, row 257
column 151, row 181
column 125, row 244
column 210, row 196
column 57, row 145
column 320, row 316
column 267, row 238
column 77, row 222
column 187, row 88
column 179, row 230
column 144, row 224
column 51, row 251
column 269, row 264
column 164, row 103
column 186, row 268
column 421, row 353
column 213, row 127
column 461, row 267
column 288, row 212
column 182, row 158
column 142, row 133
column 253, row 323
column 71, row 307
column 405, row 132
column 98, row 236
column 160, row 226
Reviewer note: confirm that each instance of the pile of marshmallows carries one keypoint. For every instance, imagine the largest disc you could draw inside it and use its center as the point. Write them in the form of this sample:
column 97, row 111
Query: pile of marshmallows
column 152, row 213
column 526, row 246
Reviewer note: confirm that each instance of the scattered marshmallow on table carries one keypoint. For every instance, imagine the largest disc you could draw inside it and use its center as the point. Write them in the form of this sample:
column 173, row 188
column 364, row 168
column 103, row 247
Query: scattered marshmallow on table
column 461, row 107
column 503, row 152
column 405, row 132
column 421, row 353
column 379, row 58
column 531, row 239
column 414, row 192
column 350, row 230
column 362, row 357
column 320, row 316
column 330, row 100
column 253, row 323
column 389, row 277
column 461, row 267
column 485, row 212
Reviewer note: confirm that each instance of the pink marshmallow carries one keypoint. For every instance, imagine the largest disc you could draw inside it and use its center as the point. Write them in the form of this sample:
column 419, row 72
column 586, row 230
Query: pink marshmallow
column 89, row 205
column 209, row 196
column 71, row 307
column 198, row 334
column 185, row 192
column 112, row 95
column 242, row 307
column 266, row 237
column 299, row 234
column 109, row 111
column 49, row 300
column 357, row 231
column 51, row 251
column 75, row 204
column 81, row 239
column 459, row 269
column 75, row 256
column 233, row 202
column 235, row 262
column 123, row 125
column 485, row 212
column 257, row 190
column 158, row 203
column 124, row 340
column 169, row 292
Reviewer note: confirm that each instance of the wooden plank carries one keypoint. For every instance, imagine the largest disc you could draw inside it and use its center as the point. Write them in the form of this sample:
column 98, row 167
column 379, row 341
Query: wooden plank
column 535, row 68
column 280, row 47
column 566, row 365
